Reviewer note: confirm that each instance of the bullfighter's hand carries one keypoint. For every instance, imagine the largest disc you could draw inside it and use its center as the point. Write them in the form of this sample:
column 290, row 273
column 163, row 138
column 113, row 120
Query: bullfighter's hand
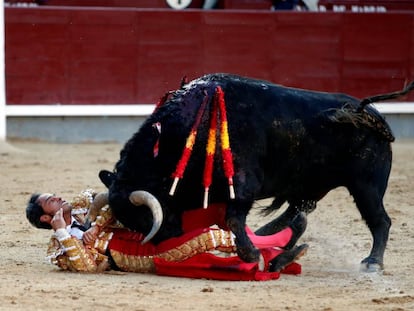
column 90, row 235
column 58, row 222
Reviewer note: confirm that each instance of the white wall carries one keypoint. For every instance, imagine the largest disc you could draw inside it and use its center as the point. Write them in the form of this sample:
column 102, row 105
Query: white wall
column 2, row 77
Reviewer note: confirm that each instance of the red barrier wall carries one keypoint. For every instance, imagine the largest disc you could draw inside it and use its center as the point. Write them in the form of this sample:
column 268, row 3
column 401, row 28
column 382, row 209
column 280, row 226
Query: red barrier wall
column 128, row 56
column 330, row 5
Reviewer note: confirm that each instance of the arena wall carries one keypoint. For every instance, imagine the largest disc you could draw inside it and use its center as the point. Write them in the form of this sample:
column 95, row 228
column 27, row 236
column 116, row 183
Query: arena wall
column 73, row 56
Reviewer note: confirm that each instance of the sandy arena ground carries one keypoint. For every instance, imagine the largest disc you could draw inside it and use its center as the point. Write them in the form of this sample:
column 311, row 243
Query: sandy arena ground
column 330, row 280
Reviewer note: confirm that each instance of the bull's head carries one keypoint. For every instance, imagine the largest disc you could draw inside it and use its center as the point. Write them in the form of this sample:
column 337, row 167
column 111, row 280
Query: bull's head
column 137, row 198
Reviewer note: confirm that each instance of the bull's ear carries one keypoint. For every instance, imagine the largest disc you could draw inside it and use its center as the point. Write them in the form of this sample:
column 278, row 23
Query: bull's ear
column 106, row 177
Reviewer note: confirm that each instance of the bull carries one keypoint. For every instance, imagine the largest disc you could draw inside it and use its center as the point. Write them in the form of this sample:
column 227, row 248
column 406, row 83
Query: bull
column 285, row 143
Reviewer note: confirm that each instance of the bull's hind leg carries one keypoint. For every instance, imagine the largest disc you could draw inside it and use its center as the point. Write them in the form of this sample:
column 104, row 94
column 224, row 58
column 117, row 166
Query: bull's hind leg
column 370, row 204
column 285, row 219
column 278, row 223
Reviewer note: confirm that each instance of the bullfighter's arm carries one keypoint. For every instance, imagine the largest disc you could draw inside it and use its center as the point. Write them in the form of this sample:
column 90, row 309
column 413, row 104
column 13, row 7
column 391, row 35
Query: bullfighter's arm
column 100, row 224
column 104, row 218
column 94, row 213
column 69, row 253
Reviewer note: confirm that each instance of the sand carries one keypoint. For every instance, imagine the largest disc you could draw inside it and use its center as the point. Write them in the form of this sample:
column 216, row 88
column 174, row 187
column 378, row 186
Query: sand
column 330, row 278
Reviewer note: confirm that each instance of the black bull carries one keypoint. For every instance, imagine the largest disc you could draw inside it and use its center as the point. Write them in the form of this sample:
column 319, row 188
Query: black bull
column 291, row 144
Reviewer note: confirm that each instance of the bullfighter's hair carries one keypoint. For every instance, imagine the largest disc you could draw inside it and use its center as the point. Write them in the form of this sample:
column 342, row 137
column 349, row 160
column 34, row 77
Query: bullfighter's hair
column 34, row 211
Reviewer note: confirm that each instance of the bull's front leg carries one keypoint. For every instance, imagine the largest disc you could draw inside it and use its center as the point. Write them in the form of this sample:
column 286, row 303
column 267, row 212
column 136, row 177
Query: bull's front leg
column 236, row 215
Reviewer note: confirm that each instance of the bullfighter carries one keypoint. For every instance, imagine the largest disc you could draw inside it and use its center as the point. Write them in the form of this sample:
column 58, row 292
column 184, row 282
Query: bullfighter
column 82, row 244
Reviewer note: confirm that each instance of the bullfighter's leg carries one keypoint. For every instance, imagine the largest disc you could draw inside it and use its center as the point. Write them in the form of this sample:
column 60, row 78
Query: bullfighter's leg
column 370, row 204
column 236, row 214
column 285, row 239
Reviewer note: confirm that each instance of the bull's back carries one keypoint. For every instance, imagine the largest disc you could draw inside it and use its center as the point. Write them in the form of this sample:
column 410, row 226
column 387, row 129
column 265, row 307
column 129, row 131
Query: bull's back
column 278, row 135
column 257, row 108
column 287, row 139
column 253, row 100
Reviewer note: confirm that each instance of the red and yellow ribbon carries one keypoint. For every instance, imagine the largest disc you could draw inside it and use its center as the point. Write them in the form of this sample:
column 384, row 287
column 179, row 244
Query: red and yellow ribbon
column 218, row 109
column 182, row 163
column 225, row 141
column 210, row 151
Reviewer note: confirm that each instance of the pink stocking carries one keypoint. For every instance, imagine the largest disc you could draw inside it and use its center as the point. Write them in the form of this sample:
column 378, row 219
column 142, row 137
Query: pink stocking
column 278, row 239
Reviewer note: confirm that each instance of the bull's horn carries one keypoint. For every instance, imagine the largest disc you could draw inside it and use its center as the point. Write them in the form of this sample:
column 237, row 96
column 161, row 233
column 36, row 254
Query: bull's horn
column 140, row 197
column 99, row 201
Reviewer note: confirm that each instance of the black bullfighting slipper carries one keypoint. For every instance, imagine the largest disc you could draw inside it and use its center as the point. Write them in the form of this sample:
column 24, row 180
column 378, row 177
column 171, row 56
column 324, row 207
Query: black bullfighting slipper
column 287, row 257
column 298, row 226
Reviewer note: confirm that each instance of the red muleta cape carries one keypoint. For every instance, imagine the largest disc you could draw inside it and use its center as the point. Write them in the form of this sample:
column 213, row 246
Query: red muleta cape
column 208, row 265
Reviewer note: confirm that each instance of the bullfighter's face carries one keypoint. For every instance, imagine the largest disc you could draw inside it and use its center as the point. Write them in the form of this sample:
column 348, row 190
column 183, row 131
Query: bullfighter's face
column 51, row 203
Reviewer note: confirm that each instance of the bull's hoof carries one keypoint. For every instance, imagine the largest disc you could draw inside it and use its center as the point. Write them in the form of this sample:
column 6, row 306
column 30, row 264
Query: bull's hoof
column 287, row 257
column 248, row 254
column 371, row 265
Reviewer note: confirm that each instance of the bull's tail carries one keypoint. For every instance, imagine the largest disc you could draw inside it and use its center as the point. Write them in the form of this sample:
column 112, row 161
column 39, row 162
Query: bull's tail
column 388, row 96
